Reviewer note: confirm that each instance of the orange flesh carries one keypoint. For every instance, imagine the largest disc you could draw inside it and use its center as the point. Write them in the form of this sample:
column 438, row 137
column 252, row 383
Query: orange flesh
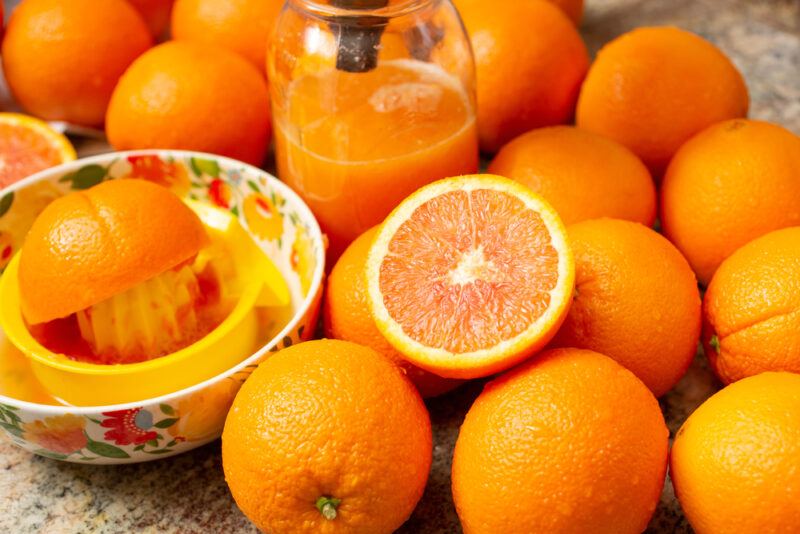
column 23, row 152
column 18, row 381
column 356, row 144
column 167, row 327
column 469, row 270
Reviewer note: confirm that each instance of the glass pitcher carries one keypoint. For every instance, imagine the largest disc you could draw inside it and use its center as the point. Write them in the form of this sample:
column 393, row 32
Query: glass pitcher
column 371, row 100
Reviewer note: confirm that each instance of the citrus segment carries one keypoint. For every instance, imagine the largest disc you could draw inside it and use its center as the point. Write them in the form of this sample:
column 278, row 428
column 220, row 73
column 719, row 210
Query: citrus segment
column 469, row 275
column 27, row 146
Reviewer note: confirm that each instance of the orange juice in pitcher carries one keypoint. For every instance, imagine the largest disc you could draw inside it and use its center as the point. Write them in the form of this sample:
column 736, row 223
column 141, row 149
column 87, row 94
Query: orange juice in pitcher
column 369, row 105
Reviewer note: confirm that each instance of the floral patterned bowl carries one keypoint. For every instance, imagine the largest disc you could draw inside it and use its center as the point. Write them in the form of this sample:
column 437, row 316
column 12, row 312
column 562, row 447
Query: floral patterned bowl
column 273, row 214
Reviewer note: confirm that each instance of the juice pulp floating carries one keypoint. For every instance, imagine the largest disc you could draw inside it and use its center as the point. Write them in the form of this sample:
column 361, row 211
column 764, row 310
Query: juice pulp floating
column 355, row 144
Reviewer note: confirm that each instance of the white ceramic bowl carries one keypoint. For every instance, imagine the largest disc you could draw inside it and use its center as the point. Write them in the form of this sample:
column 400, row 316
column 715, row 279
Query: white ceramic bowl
column 274, row 216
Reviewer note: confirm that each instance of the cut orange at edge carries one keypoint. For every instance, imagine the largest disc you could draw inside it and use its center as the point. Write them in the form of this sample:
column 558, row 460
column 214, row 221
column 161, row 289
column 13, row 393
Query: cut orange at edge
column 465, row 292
column 29, row 145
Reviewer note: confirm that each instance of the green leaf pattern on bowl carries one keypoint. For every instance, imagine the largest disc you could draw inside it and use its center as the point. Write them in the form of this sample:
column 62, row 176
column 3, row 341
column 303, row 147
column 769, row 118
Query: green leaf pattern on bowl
column 180, row 424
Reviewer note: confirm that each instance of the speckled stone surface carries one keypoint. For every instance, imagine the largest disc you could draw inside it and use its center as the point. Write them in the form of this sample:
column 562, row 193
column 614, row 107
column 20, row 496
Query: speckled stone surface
column 188, row 494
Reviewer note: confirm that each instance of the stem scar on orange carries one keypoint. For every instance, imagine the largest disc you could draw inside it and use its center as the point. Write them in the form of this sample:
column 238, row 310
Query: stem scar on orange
column 470, row 275
column 752, row 309
column 327, row 437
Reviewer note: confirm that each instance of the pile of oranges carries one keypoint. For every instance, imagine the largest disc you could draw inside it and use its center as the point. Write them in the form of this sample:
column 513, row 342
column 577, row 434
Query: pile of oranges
column 545, row 275
column 98, row 64
column 582, row 326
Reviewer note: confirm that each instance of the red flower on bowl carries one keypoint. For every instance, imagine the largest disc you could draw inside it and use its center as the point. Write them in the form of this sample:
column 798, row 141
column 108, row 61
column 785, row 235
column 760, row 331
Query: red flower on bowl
column 157, row 170
column 220, row 193
column 129, row 426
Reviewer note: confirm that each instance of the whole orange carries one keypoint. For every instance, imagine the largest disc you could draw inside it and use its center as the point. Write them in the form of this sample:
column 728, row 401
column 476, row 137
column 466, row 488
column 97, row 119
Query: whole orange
column 347, row 317
column 186, row 95
column 569, row 442
column 752, row 308
column 530, row 62
column 155, row 13
column 62, row 59
column 734, row 463
column 636, row 300
column 582, row 174
column 731, row 183
column 327, row 436
column 653, row 88
column 243, row 26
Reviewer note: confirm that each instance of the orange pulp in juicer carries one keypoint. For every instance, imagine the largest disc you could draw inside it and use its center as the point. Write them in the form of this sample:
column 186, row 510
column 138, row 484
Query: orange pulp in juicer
column 122, row 272
column 355, row 144
column 152, row 319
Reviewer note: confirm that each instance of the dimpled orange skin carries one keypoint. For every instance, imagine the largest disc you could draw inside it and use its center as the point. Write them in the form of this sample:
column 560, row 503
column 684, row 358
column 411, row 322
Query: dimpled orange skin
column 582, row 174
column 734, row 463
column 91, row 245
column 569, row 442
column 636, row 300
column 530, row 62
column 347, row 317
column 652, row 88
column 192, row 96
column 62, row 59
column 329, row 419
column 731, row 183
column 242, row 26
column 752, row 309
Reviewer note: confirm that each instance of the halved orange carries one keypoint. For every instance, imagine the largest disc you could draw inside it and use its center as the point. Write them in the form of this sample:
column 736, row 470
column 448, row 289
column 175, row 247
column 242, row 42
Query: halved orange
column 470, row 275
column 29, row 145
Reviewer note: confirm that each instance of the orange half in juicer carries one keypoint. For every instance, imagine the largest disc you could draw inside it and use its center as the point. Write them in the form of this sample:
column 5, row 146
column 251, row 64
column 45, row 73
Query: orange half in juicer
column 151, row 314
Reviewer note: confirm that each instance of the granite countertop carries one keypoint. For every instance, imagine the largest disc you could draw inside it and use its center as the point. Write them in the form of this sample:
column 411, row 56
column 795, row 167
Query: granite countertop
column 188, row 494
